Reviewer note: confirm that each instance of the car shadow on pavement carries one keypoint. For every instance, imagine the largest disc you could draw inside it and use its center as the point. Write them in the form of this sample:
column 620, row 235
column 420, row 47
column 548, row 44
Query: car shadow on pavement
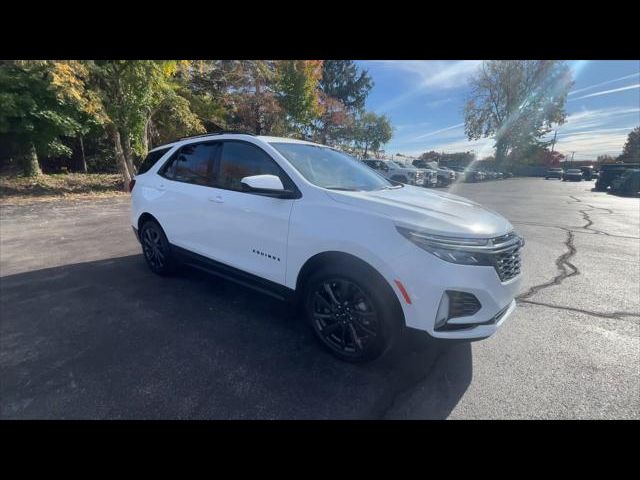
column 108, row 339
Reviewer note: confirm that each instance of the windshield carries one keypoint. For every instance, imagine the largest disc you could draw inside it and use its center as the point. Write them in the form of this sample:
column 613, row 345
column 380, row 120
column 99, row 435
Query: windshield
column 329, row 168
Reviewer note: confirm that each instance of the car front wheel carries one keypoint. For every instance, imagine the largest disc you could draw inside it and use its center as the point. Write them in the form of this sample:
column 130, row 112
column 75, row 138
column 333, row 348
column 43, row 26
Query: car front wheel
column 349, row 314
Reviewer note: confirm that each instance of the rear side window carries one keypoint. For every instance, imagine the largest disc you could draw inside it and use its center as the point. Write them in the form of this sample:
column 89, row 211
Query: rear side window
column 239, row 160
column 193, row 163
column 151, row 159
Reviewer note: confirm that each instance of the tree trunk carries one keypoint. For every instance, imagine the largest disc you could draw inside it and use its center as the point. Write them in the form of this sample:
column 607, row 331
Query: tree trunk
column 125, row 142
column 120, row 158
column 84, row 159
column 501, row 152
column 145, row 139
column 30, row 165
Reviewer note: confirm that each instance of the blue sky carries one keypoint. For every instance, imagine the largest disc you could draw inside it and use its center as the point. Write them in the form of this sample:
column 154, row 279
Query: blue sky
column 425, row 99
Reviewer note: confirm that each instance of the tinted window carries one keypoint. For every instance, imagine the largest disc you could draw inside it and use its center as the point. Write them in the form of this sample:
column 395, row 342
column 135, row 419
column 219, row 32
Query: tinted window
column 193, row 164
column 239, row 160
column 151, row 159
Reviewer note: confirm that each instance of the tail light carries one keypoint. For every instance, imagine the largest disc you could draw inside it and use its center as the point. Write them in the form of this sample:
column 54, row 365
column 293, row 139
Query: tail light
column 132, row 183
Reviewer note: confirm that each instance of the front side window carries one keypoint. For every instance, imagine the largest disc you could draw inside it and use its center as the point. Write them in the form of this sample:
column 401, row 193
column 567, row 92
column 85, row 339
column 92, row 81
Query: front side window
column 241, row 159
column 330, row 168
column 193, row 163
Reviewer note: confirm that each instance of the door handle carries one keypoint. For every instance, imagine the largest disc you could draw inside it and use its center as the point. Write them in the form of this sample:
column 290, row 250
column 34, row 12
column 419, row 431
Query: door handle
column 216, row 199
column 161, row 186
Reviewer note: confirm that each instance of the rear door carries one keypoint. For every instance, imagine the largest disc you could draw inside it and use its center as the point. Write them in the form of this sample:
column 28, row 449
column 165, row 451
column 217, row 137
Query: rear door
column 186, row 193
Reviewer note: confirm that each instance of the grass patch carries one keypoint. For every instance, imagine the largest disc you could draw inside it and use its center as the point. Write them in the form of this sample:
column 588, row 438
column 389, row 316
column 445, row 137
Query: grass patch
column 59, row 185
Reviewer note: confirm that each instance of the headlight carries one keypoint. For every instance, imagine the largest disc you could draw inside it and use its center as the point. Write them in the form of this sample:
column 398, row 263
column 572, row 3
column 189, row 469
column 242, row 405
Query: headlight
column 463, row 251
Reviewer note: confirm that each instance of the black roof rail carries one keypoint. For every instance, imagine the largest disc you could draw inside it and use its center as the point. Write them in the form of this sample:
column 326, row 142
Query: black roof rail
column 219, row 132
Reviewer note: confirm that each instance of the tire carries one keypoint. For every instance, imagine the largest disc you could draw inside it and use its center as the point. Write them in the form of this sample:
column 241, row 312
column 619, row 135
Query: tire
column 350, row 312
column 156, row 249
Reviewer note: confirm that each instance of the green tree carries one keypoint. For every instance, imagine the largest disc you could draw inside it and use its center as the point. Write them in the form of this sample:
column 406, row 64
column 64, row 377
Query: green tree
column 431, row 156
column 516, row 102
column 298, row 93
column 255, row 107
column 605, row 159
column 132, row 92
column 342, row 81
column 343, row 91
column 372, row 131
column 631, row 149
column 40, row 101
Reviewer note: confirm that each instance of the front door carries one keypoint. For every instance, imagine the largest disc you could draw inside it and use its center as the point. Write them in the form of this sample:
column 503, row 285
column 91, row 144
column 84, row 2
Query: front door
column 251, row 229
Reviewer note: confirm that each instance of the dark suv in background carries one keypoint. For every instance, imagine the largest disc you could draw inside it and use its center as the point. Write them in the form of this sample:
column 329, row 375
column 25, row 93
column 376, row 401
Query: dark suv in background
column 589, row 173
column 610, row 171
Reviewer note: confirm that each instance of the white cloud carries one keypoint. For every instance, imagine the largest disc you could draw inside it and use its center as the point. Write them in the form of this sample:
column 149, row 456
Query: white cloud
column 596, row 132
column 607, row 92
column 436, row 132
column 604, row 83
column 592, row 144
column 589, row 133
column 428, row 76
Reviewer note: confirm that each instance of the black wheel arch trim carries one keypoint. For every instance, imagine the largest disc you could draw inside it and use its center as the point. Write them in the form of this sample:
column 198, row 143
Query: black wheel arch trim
column 341, row 258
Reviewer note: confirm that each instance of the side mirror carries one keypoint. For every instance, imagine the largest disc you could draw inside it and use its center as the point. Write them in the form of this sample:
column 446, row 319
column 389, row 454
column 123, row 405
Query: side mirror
column 263, row 182
column 267, row 185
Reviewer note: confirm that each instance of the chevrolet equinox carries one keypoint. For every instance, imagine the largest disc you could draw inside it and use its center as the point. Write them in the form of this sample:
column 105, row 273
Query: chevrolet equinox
column 363, row 256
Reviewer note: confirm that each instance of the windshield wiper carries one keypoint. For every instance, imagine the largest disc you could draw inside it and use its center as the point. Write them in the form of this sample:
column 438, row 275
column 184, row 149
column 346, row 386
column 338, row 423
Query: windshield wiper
column 345, row 189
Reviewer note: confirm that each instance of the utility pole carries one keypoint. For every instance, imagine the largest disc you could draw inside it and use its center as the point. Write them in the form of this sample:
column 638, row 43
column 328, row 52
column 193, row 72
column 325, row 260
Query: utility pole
column 553, row 144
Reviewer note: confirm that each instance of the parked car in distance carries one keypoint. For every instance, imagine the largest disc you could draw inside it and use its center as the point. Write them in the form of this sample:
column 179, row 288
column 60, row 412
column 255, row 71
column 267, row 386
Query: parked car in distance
column 477, row 175
column 609, row 171
column 444, row 176
column 363, row 257
column 399, row 173
column 554, row 173
column 627, row 184
column 588, row 172
column 572, row 175
column 466, row 174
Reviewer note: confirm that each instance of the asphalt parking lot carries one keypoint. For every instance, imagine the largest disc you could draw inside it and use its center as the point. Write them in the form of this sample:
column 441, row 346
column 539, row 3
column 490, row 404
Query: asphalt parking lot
column 87, row 331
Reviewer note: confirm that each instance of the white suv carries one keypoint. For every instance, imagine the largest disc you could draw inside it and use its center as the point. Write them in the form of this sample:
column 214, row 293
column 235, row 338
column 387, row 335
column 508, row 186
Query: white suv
column 364, row 257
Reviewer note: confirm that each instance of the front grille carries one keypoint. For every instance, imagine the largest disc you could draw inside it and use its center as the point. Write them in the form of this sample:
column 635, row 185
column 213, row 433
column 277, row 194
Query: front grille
column 507, row 263
column 462, row 304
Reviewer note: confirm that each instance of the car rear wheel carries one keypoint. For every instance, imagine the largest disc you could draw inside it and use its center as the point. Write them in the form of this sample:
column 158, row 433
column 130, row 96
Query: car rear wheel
column 349, row 314
column 156, row 249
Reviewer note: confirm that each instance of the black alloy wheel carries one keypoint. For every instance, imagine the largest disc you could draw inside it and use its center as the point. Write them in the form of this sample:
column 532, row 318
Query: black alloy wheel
column 346, row 318
column 156, row 249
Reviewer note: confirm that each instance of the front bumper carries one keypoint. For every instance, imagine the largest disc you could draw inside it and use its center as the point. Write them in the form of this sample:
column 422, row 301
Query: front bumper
column 426, row 278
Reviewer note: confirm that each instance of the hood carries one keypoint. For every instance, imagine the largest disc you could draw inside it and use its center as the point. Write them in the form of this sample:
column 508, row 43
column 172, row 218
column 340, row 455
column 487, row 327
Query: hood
column 439, row 213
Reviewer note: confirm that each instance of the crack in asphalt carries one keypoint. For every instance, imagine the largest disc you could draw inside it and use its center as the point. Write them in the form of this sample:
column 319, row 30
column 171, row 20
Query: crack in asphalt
column 617, row 315
column 566, row 268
